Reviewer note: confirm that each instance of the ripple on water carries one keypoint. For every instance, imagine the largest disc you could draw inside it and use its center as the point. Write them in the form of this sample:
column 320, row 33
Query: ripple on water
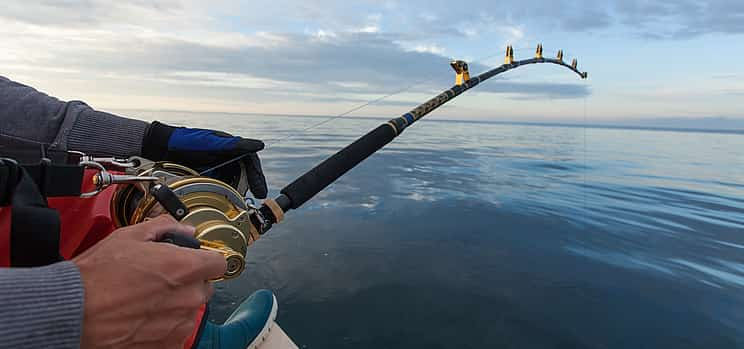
column 649, row 223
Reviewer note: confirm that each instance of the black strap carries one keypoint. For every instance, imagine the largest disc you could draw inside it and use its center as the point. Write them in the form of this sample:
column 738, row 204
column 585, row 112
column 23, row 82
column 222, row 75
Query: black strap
column 34, row 227
column 55, row 180
column 58, row 173
column 8, row 179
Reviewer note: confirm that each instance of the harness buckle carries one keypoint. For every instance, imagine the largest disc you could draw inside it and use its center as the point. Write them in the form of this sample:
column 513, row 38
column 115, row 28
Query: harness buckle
column 104, row 179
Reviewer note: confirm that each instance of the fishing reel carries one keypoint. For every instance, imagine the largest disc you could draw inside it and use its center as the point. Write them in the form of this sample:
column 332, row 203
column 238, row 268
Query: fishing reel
column 225, row 221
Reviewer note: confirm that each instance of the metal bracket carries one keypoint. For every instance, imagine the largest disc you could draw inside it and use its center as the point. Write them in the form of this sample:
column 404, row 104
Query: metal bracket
column 509, row 55
column 104, row 179
column 461, row 68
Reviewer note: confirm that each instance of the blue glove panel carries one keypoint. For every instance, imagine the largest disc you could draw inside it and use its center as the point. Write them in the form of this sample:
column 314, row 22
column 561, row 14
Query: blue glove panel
column 194, row 139
column 200, row 149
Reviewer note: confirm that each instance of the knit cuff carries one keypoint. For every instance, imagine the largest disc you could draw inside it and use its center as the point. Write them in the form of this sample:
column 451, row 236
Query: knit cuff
column 155, row 143
column 103, row 134
column 41, row 307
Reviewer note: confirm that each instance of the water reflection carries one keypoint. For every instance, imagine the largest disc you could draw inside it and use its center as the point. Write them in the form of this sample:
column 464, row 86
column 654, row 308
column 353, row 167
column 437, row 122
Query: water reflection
column 492, row 235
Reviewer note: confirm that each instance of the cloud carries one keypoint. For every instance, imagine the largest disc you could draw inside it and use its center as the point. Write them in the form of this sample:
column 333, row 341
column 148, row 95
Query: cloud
column 372, row 24
column 485, row 17
column 682, row 19
column 535, row 90
column 95, row 13
column 361, row 61
column 318, row 56
column 323, row 35
column 653, row 19
column 432, row 48
column 418, row 19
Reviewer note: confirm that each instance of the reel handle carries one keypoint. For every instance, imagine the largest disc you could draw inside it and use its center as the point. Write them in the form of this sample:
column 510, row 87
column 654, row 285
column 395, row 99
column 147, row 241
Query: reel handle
column 235, row 262
column 181, row 240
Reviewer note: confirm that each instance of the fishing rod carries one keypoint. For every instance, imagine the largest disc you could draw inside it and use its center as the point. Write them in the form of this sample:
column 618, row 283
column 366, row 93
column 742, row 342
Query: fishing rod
column 315, row 180
column 225, row 220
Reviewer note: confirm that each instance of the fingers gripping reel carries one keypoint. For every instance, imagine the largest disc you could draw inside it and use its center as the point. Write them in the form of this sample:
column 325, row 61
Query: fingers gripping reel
column 225, row 222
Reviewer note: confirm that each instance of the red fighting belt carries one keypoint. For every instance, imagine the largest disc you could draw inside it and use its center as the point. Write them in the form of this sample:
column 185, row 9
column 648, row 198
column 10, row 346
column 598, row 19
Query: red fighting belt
column 83, row 223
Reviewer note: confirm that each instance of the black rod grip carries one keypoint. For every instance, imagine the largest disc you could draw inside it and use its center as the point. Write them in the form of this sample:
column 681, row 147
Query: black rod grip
column 321, row 176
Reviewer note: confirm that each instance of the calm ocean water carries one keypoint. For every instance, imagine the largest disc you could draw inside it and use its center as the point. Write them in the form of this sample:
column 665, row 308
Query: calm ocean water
column 476, row 235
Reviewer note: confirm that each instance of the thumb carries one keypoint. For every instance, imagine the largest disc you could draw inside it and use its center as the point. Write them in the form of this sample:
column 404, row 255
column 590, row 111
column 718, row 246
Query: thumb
column 247, row 145
column 256, row 178
column 153, row 229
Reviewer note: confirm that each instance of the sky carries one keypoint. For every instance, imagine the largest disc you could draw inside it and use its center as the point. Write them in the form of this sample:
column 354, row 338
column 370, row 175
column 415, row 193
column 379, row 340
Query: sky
column 646, row 60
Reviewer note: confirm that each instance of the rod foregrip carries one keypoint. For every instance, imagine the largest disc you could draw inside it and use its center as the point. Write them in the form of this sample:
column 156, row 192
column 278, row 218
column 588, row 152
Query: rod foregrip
column 321, row 176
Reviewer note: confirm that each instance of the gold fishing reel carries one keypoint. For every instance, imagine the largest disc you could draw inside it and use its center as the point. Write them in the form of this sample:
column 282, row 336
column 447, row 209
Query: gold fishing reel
column 223, row 220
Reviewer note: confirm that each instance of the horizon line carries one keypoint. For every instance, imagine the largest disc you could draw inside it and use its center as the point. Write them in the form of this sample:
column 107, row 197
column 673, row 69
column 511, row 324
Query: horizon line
column 598, row 124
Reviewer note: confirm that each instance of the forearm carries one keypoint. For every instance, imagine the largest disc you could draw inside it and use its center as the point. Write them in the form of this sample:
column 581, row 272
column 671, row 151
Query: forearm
column 41, row 307
column 29, row 118
column 99, row 133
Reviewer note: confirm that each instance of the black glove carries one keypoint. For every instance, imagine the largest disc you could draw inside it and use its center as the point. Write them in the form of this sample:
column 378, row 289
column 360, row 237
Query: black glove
column 201, row 149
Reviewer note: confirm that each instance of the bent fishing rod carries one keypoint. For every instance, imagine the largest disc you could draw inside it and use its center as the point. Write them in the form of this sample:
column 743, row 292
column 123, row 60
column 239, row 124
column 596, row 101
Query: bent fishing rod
column 225, row 220
column 321, row 176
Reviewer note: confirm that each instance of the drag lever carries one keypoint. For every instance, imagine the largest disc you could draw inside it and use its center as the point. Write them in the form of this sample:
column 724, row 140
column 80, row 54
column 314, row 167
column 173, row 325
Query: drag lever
column 170, row 201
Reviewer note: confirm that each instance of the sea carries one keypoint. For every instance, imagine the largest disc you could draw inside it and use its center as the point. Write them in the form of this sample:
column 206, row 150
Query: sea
column 497, row 235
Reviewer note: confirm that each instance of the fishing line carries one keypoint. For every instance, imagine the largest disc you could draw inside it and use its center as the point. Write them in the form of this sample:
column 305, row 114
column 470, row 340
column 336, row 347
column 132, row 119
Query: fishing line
column 318, row 124
column 356, row 108
column 361, row 106
column 586, row 169
column 365, row 104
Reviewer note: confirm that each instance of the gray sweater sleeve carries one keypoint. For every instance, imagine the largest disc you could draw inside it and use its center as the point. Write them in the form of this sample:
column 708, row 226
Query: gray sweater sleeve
column 41, row 307
column 29, row 118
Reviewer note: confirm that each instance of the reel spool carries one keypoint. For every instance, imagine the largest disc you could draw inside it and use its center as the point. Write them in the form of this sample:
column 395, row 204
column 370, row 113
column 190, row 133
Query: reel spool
column 223, row 220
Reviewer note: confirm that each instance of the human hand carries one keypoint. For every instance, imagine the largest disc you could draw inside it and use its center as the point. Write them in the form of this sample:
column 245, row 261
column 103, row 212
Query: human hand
column 144, row 294
column 201, row 149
